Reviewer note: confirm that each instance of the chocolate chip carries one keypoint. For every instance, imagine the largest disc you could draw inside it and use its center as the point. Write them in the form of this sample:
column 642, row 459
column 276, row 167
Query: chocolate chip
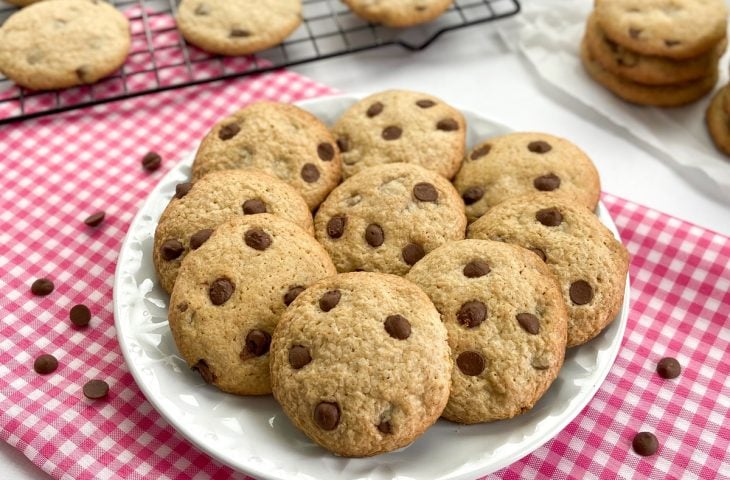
column 480, row 152
column 200, row 237
column 292, row 294
column 472, row 314
column 671, row 43
column 398, row 327
column 392, row 133
column 472, row 195
column 374, row 109
column 374, row 235
column 239, row 33
column 330, row 300
column 471, row 363
column 385, row 427
column 220, row 291
column 41, row 287
column 343, row 144
column 634, row 32
column 202, row 368
column 171, row 249
column 80, row 315
column 229, row 131
column 645, row 444
column 326, row 151
column 253, row 207
column 425, row 103
column 447, row 125
column 96, row 389
column 83, row 73
column 258, row 342
column 668, row 368
column 327, row 415
column 539, row 146
column 529, row 322
column 45, row 364
column 476, row 268
column 182, row 189
column 182, row 307
column 151, row 161
column 550, row 217
column 257, row 239
column 336, row 226
column 310, row 173
column 547, row 183
column 299, row 356
column 581, row 292
column 425, row 192
column 95, row 219
column 540, row 253
column 412, row 253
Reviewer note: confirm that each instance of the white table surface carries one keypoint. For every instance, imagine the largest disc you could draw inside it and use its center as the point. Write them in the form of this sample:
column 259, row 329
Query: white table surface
column 473, row 69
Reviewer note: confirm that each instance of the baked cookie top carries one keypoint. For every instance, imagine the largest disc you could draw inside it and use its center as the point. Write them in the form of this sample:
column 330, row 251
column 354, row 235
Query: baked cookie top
column 360, row 363
column 240, row 27
column 506, row 323
column 718, row 120
column 63, row 43
column 280, row 139
column 196, row 210
column 401, row 126
column 520, row 163
column 388, row 217
column 399, row 13
column 230, row 293
column 589, row 263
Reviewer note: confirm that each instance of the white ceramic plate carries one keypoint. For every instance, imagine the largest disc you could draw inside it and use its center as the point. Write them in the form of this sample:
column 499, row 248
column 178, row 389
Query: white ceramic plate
column 253, row 435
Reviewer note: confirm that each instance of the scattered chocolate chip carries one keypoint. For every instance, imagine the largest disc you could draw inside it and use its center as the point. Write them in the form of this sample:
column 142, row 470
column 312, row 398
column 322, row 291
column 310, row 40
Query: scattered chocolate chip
column 329, row 300
column 374, row 109
column 581, row 292
column 374, row 235
column 182, row 189
column 668, row 368
column 239, row 33
column 220, row 291
column 202, row 368
column 292, row 294
column 258, row 342
column 645, row 444
column 327, row 415
column 540, row 253
column 425, row 192
column 550, row 217
column 229, row 131
column 299, row 356
column 326, row 151
column 253, row 207
column 671, row 43
column 472, row 314
column 385, row 427
column 151, row 161
column 200, row 237
column 336, row 226
column 95, row 219
column 96, row 389
column 343, row 144
column 471, row 363
column 182, row 307
column 310, row 173
column 529, row 322
column 547, row 183
column 480, row 152
column 634, row 32
column 83, row 73
column 41, row 287
column 539, row 146
column 171, row 249
column 45, row 364
column 392, row 133
column 412, row 253
column 80, row 315
column 476, row 268
column 542, row 362
column 257, row 239
column 398, row 327
column 425, row 103
column 447, row 125
column 472, row 195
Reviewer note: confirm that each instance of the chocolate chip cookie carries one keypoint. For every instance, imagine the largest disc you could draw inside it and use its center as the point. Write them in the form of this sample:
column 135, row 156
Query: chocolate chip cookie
column 282, row 140
column 230, row 293
column 589, row 263
column 718, row 120
column 506, row 322
column 194, row 212
column 399, row 13
column 386, row 218
column 360, row 363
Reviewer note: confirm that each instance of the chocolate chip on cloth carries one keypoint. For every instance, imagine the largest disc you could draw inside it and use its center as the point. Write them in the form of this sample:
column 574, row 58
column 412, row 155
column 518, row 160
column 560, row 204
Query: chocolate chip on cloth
column 367, row 376
column 96, row 389
column 95, row 219
column 80, row 315
column 588, row 261
column 230, row 292
column 506, row 323
column 42, row 287
column 188, row 222
column 151, row 161
column 387, row 217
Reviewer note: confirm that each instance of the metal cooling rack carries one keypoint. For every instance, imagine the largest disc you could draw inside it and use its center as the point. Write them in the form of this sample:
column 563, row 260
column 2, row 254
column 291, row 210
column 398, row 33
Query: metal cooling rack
column 160, row 59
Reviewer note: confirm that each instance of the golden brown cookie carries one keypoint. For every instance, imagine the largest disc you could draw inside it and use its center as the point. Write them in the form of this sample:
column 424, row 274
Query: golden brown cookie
column 399, row 13
column 718, row 120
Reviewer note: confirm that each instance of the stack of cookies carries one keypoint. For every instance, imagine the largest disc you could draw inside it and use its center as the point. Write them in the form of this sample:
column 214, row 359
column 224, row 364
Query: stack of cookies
column 655, row 52
column 717, row 119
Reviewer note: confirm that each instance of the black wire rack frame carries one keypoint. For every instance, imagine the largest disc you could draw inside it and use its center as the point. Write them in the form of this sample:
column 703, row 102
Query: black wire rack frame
column 160, row 59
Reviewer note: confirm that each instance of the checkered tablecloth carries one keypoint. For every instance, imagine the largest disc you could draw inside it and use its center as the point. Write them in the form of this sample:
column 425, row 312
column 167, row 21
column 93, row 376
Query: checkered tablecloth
column 56, row 171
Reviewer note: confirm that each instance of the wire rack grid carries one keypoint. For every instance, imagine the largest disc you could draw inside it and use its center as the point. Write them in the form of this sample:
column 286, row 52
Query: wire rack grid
column 160, row 59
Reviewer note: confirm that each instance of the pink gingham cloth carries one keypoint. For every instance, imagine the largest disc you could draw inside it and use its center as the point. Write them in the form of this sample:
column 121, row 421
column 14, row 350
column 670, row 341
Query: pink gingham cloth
column 57, row 171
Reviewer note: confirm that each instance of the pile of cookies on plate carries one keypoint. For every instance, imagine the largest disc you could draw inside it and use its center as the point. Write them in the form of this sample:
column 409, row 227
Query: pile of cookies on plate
column 406, row 297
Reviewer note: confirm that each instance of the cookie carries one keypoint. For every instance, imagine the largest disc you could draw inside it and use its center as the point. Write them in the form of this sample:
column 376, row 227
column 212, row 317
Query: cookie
column 230, row 293
column 519, row 163
column 193, row 214
column 238, row 28
column 506, row 323
column 386, row 218
column 669, row 28
column 282, row 140
column 718, row 120
column 645, row 69
column 63, row 43
column 726, row 100
column 399, row 13
column 655, row 95
column 589, row 263
column 360, row 363
column 401, row 126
